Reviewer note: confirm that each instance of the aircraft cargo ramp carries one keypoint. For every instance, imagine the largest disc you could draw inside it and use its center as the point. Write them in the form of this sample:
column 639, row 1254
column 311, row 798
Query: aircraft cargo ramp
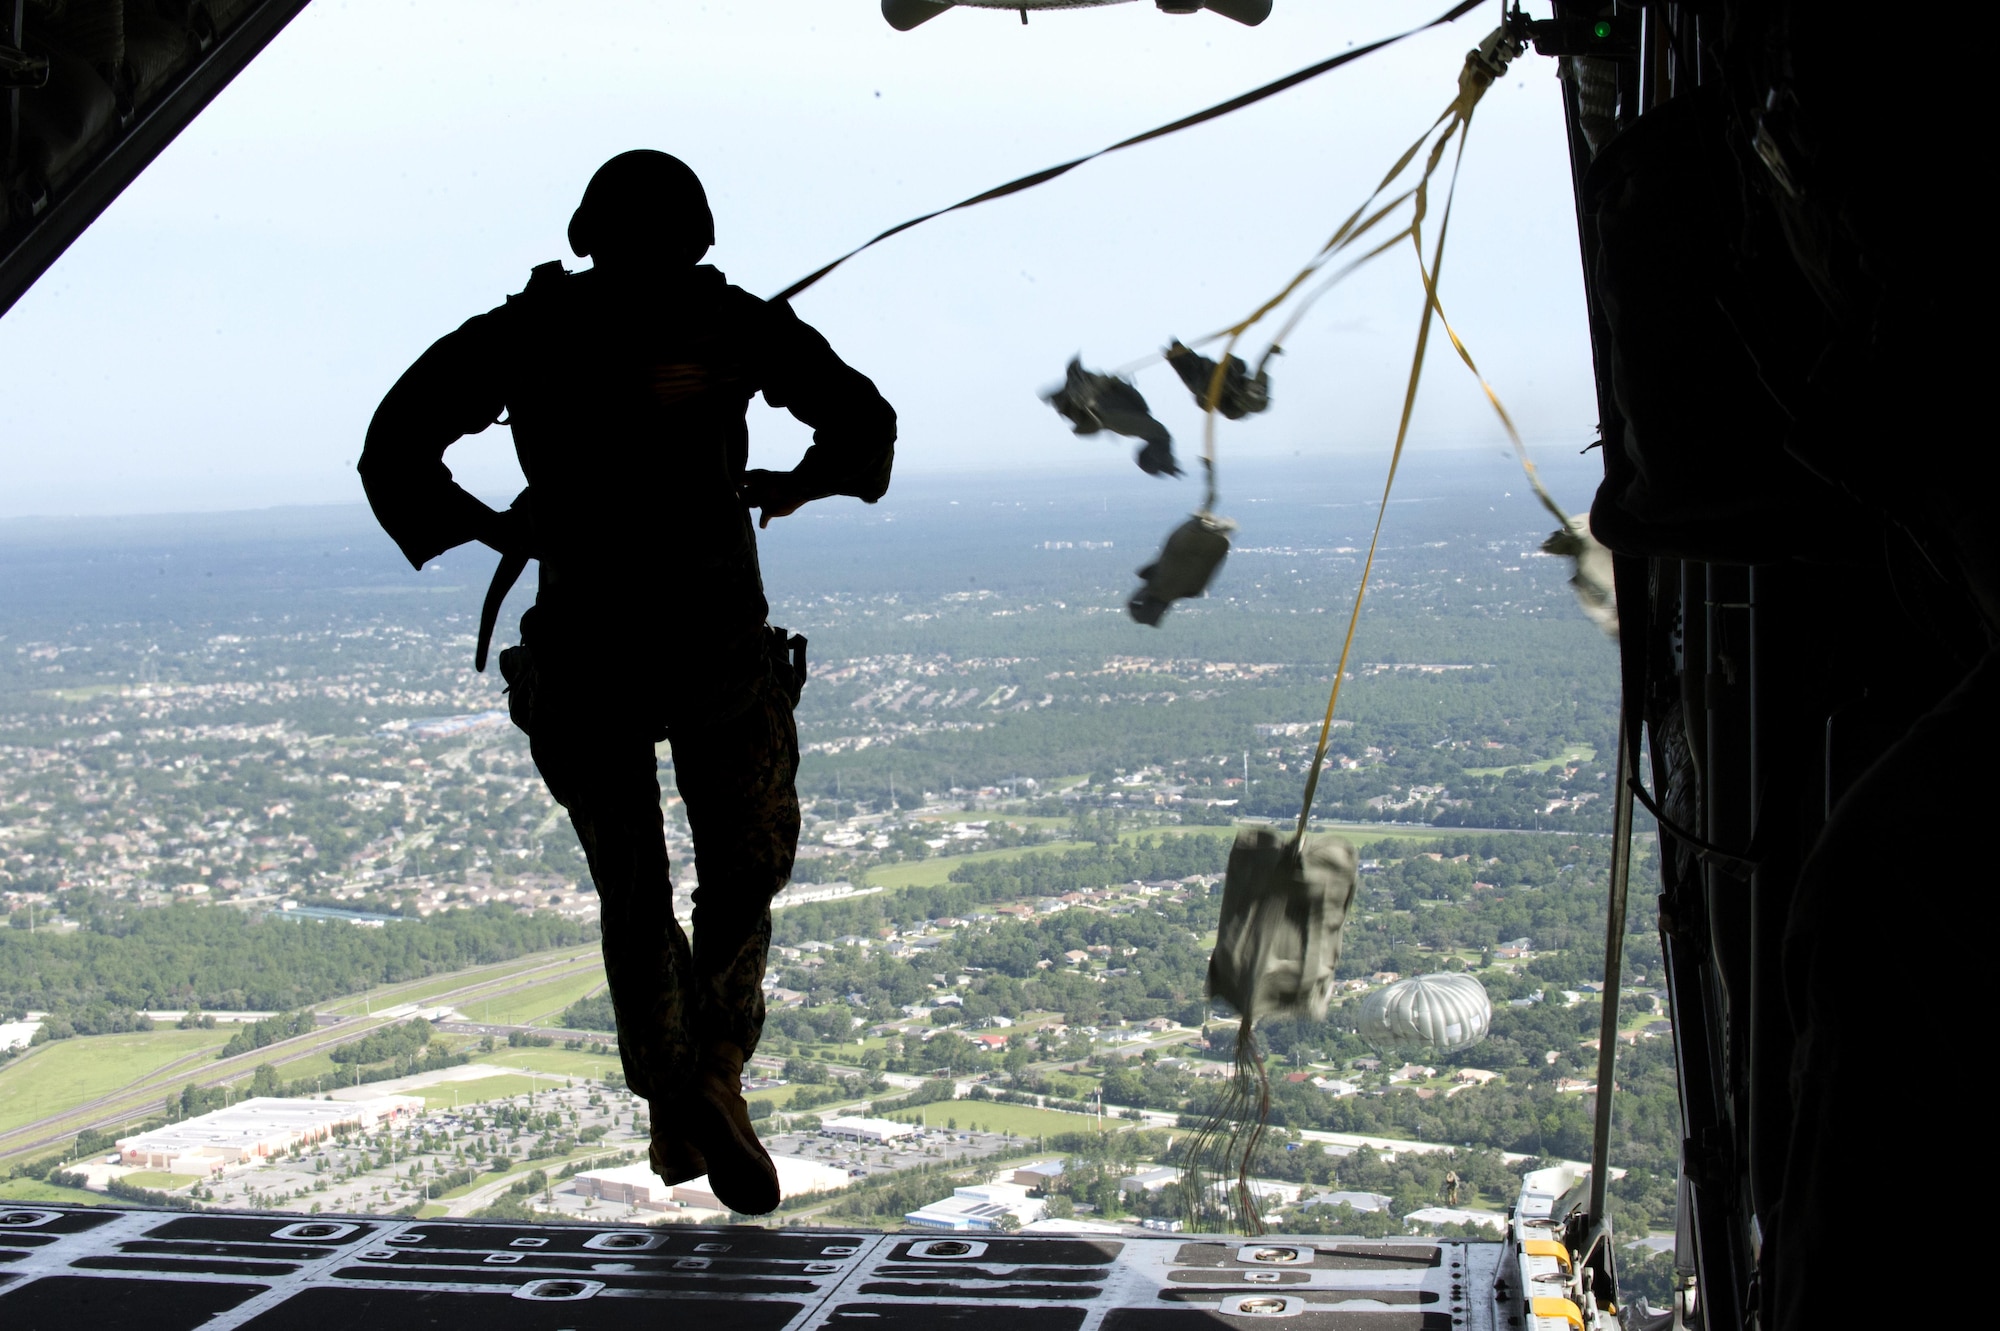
column 63, row 1267
column 91, row 91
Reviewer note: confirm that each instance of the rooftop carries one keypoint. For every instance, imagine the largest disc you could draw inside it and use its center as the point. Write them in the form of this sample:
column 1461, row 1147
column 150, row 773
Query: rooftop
column 263, row 1124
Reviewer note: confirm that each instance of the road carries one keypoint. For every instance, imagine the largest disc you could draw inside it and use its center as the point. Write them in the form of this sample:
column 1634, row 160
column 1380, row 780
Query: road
column 481, row 1197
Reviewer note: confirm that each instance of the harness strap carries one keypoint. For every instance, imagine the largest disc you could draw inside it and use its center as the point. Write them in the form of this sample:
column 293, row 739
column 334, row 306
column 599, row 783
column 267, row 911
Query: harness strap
column 504, row 577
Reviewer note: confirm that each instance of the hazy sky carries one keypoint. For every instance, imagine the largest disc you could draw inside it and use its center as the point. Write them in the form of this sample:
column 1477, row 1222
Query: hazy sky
column 220, row 337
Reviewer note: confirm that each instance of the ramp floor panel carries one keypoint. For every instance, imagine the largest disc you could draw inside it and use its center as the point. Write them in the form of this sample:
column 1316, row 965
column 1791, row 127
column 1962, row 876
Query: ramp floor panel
column 65, row 1268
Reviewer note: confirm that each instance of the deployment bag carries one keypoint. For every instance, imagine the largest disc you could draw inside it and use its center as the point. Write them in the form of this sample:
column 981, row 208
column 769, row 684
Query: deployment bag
column 1285, row 901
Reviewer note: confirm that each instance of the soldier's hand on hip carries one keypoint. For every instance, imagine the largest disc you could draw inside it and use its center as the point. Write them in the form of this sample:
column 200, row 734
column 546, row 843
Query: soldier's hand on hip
column 510, row 531
column 774, row 493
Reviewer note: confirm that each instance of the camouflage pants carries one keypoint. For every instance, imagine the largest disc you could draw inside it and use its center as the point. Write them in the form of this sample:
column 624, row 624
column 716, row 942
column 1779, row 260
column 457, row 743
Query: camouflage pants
column 673, row 998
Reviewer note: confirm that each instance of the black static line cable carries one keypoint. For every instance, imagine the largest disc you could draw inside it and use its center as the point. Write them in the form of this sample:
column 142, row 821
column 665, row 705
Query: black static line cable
column 1220, row 109
column 1705, row 850
column 1614, row 960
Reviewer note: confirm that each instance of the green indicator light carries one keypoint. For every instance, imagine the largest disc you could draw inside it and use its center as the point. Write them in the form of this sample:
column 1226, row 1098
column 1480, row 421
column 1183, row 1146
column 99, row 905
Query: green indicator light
column 1601, row 29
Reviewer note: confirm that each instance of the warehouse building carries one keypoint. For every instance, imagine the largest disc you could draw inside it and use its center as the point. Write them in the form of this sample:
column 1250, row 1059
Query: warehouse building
column 874, row 1131
column 987, row 1206
column 256, row 1129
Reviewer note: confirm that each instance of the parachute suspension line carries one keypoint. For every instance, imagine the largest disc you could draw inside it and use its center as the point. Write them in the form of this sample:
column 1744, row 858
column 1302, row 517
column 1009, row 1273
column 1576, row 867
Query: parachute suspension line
column 1507, row 421
column 1046, row 174
column 1614, row 958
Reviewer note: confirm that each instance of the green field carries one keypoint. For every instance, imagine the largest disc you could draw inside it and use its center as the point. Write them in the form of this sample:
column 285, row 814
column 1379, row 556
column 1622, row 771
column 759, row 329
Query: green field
column 779, row 1096
column 937, row 871
column 84, row 692
column 65, row 1073
column 1362, row 834
column 539, row 1004
column 560, row 1062
column 462, row 1093
column 31, row 1190
column 160, row 1180
column 1017, row 819
column 1017, row 1120
column 1071, row 1087
column 312, row 1065
column 1574, row 753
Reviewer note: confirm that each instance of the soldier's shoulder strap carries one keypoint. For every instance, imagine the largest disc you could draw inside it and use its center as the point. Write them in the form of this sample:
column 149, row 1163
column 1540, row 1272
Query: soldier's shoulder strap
column 530, row 315
column 544, row 280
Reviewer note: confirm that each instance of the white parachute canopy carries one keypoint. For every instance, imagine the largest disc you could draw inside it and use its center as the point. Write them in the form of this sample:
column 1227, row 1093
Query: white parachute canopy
column 1436, row 1014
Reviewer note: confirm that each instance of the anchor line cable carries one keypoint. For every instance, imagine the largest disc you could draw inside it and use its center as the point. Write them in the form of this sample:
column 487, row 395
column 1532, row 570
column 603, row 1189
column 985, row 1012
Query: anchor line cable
column 1475, row 76
column 1507, row 421
column 1349, row 231
column 1482, row 66
column 1215, row 112
column 1614, row 956
column 1479, row 73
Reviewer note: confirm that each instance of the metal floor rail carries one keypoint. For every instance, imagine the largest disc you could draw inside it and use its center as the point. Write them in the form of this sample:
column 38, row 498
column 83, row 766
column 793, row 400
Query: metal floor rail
column 69, row 1268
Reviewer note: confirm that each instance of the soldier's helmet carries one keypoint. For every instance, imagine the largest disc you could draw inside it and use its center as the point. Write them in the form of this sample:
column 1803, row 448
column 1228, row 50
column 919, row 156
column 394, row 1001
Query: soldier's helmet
column 643, row 203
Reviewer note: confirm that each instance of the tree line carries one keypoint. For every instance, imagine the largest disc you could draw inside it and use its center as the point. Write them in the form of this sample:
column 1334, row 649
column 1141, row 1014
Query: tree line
column 132, row 958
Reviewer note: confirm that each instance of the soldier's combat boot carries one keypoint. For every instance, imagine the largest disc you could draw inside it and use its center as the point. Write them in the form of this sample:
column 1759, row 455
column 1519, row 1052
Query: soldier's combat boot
column 717, row 1122
column 671, row 1155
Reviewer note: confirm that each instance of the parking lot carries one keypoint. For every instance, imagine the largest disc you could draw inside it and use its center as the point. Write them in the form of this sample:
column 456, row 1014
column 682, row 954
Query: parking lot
column 415, row 1161
column 861, row 1159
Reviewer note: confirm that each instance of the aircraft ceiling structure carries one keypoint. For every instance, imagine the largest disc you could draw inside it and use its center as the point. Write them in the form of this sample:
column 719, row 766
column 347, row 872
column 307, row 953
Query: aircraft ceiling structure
column 94, row 90
column 904, row 15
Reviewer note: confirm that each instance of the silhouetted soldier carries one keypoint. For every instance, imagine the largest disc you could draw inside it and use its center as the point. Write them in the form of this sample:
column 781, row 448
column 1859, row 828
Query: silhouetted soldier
column 626, row 386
